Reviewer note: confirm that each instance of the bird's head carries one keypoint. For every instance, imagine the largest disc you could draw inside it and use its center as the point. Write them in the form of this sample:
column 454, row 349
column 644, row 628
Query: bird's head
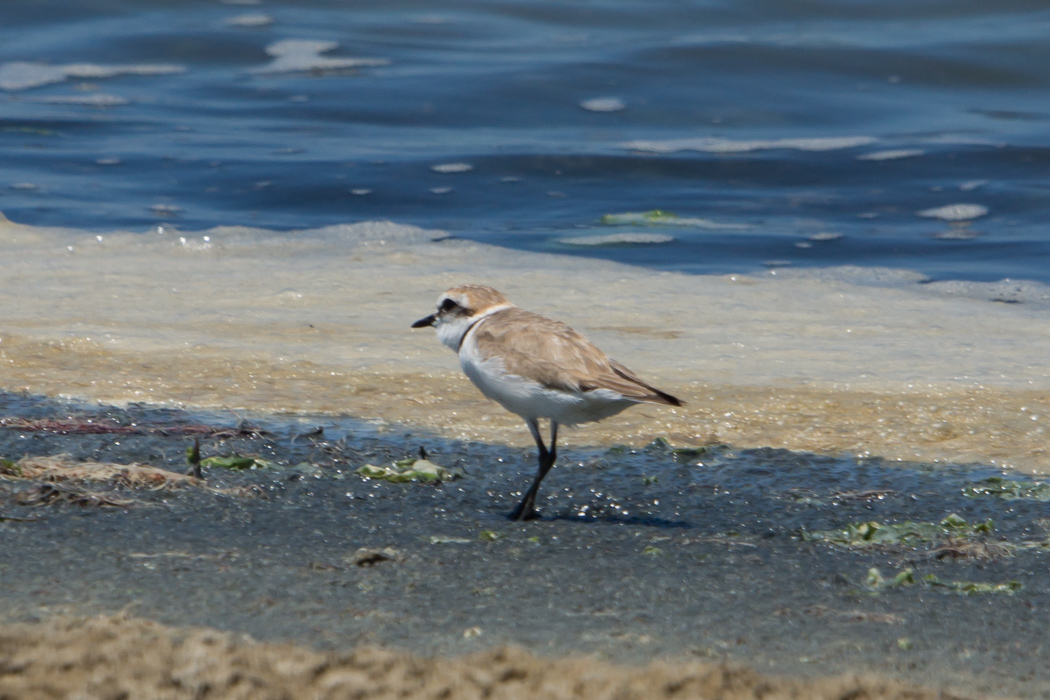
column 459, row 308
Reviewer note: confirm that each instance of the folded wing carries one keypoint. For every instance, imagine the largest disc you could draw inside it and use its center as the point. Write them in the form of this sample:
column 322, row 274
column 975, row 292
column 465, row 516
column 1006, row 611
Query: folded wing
column 558, row 357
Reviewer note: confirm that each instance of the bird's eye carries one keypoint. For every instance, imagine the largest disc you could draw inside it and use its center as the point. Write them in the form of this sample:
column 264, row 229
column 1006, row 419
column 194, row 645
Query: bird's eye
column 448, row 305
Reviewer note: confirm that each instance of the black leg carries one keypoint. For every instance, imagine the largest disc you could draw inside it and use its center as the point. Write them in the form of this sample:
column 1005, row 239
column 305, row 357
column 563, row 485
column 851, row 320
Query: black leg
column 526, row 510
column 554, row 442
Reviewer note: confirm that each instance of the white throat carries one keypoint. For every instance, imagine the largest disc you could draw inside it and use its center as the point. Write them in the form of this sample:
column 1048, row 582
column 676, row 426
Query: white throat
column 451, row 331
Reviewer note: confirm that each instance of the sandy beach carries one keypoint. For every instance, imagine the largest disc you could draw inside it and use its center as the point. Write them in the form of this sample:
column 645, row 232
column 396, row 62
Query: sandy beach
column 318, row 322
column 814, row 405
column 173, row 663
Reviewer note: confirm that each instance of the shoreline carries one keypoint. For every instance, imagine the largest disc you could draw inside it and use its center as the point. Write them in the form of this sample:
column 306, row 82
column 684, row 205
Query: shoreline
column 317, row 322
column 962, row 426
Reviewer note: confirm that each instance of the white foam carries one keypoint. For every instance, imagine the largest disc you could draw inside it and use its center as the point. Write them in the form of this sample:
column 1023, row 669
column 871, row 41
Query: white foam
column 825, row 236
column 854, row 274
column 250, row 21
column 365, row 233
column 892, row 154
column 166, row 209
column 1028, row 292
column 961, row 140
column 955, row 212
column 98, row 99
column 440, row 190
column 21, row 75
column 603, row 104
column 662, row 218
column 971, row 185
column 618, row 239
column 452, row 168
column 298, row 55
column 1005, row 291
column 957, row 233
column 719, row 145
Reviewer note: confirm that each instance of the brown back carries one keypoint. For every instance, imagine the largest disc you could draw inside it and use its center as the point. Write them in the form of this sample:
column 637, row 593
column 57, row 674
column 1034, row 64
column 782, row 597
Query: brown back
column 555, row 355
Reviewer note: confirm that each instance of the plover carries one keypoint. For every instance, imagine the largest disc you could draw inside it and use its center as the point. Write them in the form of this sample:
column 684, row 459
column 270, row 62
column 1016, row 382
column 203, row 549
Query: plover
column 534, row 367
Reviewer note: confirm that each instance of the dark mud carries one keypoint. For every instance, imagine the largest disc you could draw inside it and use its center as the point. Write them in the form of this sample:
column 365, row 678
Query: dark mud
column 639, row 554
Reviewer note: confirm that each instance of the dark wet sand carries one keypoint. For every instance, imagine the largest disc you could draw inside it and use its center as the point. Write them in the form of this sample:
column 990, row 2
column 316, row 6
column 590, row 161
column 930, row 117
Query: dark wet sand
column 637, row 556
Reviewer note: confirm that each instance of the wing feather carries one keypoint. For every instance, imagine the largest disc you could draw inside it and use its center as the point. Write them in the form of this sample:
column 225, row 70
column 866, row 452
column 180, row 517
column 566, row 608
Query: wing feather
column 557, row 356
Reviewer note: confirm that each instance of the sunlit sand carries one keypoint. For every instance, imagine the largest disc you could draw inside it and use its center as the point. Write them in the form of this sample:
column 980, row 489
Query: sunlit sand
column 317, row 321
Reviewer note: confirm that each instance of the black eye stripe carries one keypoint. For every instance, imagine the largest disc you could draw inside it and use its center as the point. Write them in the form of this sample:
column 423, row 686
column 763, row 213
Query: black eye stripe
column 448, row 305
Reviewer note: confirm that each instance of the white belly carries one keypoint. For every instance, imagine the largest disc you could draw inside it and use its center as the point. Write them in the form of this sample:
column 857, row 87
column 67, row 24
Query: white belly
column 530, row 400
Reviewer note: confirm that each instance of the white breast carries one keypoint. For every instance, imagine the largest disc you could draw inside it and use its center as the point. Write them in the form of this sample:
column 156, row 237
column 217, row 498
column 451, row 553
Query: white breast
column 530, row 399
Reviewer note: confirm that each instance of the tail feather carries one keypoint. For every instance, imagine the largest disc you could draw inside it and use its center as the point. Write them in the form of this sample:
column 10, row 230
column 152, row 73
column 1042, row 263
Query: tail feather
column 657, row 396
column 667, row 398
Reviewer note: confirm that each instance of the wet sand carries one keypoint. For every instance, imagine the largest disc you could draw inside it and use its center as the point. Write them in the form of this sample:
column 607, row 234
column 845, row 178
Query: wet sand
column 840, row 403
column 179, row 663
column 641, row 556
column 317, row 321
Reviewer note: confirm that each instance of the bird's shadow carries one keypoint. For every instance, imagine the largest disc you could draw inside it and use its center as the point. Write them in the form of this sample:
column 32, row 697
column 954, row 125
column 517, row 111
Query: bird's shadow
column 642, row 521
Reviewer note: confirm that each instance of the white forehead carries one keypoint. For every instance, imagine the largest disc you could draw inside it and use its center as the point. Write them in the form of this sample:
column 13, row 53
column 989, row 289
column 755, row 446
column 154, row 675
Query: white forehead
column 461, row 298
column 474, row 297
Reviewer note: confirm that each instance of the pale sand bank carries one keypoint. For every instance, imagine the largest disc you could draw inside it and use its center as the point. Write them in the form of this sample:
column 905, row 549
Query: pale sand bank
column 318, row 322
column 119, row 657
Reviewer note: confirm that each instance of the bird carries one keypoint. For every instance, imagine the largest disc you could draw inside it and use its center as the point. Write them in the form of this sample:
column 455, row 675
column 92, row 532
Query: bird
column 534, row 367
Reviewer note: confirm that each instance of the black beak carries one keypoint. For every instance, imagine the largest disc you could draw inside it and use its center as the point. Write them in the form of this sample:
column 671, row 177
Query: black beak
column 424, row 322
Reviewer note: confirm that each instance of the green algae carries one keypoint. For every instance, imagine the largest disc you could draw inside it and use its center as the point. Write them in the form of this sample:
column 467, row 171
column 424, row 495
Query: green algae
column 631, row 218
column 412, row 469
column 683, row 454
column 236, row 461
column 973, row 587
column 874, row 534
column 1009, row 489
column 680, row 453
column 10, row 468
column 447, row 539
column 906, row 577
column 877, row 581
column 659, row 217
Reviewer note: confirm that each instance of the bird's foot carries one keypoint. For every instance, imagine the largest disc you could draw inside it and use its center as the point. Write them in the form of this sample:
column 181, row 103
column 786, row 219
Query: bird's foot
column 523, row 512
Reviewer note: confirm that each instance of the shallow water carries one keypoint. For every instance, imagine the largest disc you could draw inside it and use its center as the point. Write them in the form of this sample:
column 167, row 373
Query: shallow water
column 775, row 123
column 639, row 554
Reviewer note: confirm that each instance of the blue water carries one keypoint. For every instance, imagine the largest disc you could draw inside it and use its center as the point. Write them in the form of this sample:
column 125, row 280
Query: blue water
column 207, row 138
